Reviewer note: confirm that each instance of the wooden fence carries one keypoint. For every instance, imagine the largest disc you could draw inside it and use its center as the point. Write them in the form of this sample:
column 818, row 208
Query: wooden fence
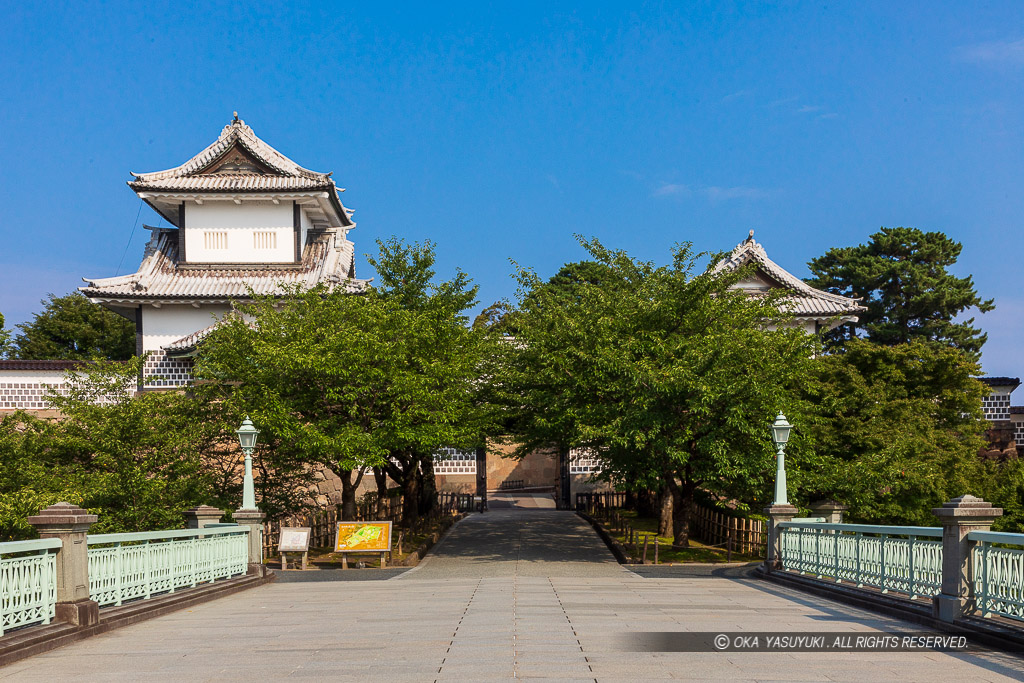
column 323, row 523
column 595, row 501
column 712, row 527
column 709, row 526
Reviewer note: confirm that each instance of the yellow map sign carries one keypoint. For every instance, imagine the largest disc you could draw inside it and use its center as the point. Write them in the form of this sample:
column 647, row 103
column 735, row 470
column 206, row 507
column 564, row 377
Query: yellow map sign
column 368, row 537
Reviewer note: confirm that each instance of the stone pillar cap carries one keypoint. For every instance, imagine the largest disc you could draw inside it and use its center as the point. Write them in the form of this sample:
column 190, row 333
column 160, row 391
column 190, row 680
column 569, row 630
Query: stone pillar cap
column 61, row 514
column 204, row 510
column 967, row 506
column 783, row 509
column 835, row 504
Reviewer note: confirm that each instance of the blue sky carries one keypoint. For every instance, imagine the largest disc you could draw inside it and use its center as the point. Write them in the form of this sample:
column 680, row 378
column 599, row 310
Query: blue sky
column 500, row 131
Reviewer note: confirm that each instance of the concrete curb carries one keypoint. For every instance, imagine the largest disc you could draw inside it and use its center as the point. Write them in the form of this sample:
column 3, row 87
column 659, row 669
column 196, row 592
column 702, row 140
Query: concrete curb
column 37, row 639
column 996, row 632
column 413, row 558
column 614, row 546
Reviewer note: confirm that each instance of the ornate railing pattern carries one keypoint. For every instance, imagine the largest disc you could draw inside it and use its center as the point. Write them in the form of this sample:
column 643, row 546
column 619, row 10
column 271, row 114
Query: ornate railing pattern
column 134, row 566
column 898, row 558
column 998, row 573
column 28, row 582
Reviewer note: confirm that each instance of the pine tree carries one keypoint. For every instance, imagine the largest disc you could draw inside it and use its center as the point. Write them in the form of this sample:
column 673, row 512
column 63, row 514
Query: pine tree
column 902, row 276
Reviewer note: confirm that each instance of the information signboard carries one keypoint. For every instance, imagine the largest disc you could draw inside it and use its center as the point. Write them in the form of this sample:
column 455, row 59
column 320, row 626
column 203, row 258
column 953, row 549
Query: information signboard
column 293, row 540
column 356, row 537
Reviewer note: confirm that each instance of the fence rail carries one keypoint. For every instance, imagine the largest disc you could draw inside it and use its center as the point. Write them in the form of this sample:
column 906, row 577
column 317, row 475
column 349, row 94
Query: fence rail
column 712, row 527
column 28, row 582
column 899, row 558
column 133, row 566
column 998, row 573
column 716, row 528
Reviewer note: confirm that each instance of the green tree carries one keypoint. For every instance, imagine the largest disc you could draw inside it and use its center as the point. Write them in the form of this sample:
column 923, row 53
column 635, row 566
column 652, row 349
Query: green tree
column 407, row 279
column 671, row 377
column 901, row 275
column 72, row 328
column 898, row 430
column 137, row 462
column 380, row 379
column 5, row 337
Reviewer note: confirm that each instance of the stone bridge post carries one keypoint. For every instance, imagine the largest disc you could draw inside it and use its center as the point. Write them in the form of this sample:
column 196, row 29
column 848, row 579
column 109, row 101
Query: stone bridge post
column 70, row 524
column 777, row 513
column 831, row 510
column 201, row 516
column 959, row 517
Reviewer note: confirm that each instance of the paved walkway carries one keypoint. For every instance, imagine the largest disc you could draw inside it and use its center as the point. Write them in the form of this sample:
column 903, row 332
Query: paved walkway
column 508, row 594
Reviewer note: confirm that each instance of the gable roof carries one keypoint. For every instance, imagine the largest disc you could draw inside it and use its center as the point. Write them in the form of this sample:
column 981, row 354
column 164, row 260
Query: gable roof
column 803, row 301
column 328, row 259
column 238, row 162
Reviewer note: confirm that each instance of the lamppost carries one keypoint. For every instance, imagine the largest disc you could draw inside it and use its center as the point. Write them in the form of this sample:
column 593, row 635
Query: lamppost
column 247, row 435
column 249, row 514
column 780, row 435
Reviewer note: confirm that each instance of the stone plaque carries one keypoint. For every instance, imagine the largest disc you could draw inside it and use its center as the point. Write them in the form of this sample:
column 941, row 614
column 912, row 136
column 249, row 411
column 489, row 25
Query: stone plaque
column 293, row 540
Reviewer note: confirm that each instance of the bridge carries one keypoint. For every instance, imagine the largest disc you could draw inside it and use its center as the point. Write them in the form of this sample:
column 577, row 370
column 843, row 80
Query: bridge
column 519, row 592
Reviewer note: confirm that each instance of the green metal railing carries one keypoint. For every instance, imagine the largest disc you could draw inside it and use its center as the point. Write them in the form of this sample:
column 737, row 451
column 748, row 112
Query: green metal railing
column 28, row 582
column 998, row 573
column 136, row 566
column 897, row 558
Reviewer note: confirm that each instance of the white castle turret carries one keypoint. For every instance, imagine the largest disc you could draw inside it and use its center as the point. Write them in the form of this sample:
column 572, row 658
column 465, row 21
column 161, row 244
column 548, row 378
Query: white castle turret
column 241, row 215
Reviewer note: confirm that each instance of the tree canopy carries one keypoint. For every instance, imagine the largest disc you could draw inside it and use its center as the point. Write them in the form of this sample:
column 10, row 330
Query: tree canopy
column 72, row 328
column 350, row 381
column 898, row 429
column 137, row 462
column 5, row 337
column 666, row 372
column 902, row 276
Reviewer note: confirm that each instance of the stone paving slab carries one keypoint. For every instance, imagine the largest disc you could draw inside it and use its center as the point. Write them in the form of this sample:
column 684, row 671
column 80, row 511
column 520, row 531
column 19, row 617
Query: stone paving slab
column 507, row 595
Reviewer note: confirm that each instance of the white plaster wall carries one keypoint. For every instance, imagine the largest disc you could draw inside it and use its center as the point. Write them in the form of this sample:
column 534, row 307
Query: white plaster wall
column 305, row 224
column 161, row 326
column 239, row 221
column 33, row 376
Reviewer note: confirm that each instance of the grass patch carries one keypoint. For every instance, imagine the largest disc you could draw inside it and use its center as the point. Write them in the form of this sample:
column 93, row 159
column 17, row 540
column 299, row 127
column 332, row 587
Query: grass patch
column 697, row 552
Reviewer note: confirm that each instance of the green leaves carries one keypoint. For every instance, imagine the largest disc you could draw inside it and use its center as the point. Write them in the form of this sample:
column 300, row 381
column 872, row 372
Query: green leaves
column 899, row 429
column 666, row 372
column 72, row 328
column 901, row 275
column 350, row 381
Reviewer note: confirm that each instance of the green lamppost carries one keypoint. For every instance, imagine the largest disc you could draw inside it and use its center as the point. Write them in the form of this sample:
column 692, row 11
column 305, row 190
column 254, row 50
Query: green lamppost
column 247, row 434
column 780, row 435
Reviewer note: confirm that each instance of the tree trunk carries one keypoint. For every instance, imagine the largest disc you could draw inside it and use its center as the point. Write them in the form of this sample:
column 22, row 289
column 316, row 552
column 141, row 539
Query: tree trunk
column 682, row 508
column 348, row 492
column 381, row 477
column 647, row 503
column 411, row 501
column 428, row 487
column 664, row 511
column 348, row 496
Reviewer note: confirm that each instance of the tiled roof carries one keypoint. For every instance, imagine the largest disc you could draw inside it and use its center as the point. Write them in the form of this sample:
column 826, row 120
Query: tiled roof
column 190, row 341
column 1017, row 410
column 1000, row 381
column 43, row 364
column 283, row 172
column 804, row 301
column 161, row 278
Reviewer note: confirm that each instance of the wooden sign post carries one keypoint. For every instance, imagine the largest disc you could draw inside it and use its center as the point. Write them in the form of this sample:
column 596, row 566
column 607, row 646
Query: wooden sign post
column 293, row 540
column 363, row 537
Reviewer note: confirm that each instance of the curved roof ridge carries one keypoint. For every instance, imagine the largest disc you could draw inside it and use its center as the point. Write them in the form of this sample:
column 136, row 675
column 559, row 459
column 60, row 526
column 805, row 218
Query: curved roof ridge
column 748, row 250
column 235, row 132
